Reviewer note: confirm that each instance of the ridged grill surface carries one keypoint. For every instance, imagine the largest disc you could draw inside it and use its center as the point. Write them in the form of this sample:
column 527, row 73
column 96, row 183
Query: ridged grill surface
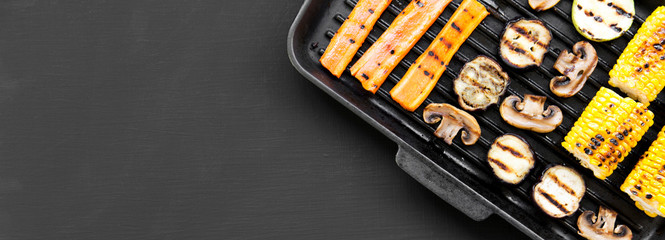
column 547, row 147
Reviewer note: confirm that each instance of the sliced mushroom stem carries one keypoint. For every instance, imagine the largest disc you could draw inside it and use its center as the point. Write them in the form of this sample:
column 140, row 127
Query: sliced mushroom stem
column 452, row 120
column 576, row 68
column 530, row 114
column 602, row 226
column 542, row 5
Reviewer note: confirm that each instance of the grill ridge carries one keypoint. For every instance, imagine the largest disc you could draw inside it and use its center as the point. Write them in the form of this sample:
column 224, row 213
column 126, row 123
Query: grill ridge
column 597, row 190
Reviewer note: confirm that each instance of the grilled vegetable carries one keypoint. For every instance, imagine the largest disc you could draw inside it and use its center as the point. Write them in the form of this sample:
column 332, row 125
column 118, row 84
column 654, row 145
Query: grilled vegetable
column 645, row 183
column 380, row 59
column 423, row 74
column 608, row 129
column 559, row 191
column 542, row 5
column 511, row 158
column 480, row 83
column 452, row 121
column 576, row 66
column 601, row 227
column 640, row 70
column 351, row 35
column 530, row 113
column 602, row 20
column 524, row 43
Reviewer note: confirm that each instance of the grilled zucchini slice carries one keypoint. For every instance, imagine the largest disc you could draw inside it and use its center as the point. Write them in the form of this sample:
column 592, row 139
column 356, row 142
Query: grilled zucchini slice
column 602, row 20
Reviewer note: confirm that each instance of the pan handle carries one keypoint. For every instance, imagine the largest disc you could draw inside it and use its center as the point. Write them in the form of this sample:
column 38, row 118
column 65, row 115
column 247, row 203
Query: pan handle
column 443, row 184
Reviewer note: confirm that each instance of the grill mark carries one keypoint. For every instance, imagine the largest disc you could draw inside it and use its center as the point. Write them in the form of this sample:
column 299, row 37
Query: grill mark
column 553, row 202
column 524, row 33
column 454, row 26
column 519, row 50
column 500, row 164
column 509, row 149
column 620, row 10
column 562, row 185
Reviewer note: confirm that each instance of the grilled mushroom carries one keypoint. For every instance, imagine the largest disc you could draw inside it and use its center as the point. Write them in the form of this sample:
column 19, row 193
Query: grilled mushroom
column 542, row 5
column 452, row 121
column 511, row 158
column 576, row 66
column 480, row 83
column 530, row 113
column 524, row 43
column 559, row 191
column 601, row 227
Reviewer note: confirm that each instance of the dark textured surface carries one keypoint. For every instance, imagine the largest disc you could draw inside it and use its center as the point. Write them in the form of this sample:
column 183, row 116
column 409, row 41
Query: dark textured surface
column 186, row 120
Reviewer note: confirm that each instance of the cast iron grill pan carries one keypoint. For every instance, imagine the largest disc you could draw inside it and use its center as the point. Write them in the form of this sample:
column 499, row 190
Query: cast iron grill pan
column 459, row 173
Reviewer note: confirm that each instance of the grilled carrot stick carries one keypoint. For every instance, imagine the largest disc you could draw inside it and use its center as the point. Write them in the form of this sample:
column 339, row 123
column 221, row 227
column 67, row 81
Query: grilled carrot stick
column 422, row 76
column 351, row 35
column 373, row 67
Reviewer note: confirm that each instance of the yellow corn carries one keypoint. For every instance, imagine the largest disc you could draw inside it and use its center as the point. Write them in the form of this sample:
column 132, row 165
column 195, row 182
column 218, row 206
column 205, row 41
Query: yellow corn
column 608, row 129
column 640, row 70
column 645, row 183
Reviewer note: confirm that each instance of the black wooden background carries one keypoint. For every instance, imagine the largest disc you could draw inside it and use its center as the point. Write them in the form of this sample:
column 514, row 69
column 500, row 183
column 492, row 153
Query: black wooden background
column 186, row 120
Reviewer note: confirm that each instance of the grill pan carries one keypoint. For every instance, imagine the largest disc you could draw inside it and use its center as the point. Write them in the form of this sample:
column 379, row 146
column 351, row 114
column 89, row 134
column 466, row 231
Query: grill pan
column 457, row 173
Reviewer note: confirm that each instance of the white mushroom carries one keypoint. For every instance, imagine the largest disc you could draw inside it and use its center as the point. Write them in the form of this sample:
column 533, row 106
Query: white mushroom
column 452, row 121
column 542, row 5
column 576, row 68
column 530, row 113
column 601, row 227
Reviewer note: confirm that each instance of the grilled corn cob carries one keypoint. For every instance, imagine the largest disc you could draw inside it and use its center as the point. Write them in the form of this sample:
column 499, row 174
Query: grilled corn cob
column 640, row 70
column 606, row 132
column 645, row 182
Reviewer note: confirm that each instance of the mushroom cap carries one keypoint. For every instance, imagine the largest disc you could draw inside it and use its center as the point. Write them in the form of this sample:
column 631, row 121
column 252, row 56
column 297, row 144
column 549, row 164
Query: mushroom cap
column 452, row 121
column 530, row 114
column 601, row 227
column 576, row 67
column 542, row 5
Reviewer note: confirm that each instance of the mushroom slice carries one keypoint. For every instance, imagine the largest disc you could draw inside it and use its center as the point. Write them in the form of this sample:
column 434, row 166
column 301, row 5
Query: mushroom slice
column 524, row 43
column 601, row 227
column 530, row 113
column 559, row 191
column 542, row 5
column 511, row 158
column 576, row 66
column 480, row 83
column 452, row 121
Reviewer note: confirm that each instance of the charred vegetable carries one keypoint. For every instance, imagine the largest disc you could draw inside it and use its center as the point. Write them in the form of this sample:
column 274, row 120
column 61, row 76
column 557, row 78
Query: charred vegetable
column 511, row 158
column 602, row 20
column 351, row 35
column 382, row 57
column 452, row 121
column 524, row 43
column 601, row 227
column 576, row 68
column 644, row 184
column 480, row 83
column 559, row 191
column 542, row 5
column 530, row 114
column 608, row 129
column 423, row 74
column 640, row 70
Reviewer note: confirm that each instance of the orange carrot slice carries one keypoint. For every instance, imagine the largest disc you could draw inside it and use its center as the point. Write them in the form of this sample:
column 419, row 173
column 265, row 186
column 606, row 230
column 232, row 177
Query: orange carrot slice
column 351, row 35
column 373, row 67
column 423, row 74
